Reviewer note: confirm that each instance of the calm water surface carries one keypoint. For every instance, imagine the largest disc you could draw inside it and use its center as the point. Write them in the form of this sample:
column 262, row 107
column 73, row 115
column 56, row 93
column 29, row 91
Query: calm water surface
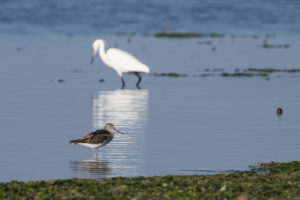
column 172, row 125
column 149, row 16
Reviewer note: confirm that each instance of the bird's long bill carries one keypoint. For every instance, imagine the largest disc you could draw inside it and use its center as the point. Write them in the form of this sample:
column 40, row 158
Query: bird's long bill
column 93, row 56
column 92, row 59
column 118, row 131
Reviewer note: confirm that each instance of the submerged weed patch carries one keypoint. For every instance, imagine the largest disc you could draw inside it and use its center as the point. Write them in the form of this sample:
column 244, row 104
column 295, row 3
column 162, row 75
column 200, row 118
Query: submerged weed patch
column 271, row 70
column 249, row 72
column 272, row 46
column 279, row 181
column 171, row 74
column 243, row 74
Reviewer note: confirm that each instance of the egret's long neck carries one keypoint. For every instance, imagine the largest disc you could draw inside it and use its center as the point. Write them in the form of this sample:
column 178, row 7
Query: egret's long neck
column 102, row 54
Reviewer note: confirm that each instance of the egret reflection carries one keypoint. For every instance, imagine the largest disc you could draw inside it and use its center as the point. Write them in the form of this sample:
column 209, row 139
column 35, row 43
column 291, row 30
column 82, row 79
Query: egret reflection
column 127, row 109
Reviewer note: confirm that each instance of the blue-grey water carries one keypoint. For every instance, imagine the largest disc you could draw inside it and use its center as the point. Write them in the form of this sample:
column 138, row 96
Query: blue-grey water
column 149, row 16
column 172, row 125
column 51, row 94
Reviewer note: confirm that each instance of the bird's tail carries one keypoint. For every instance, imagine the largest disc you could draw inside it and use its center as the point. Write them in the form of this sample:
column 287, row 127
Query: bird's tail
column 74, row 141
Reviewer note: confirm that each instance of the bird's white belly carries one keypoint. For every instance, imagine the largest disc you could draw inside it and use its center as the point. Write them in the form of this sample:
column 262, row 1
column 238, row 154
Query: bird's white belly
column 94, row 146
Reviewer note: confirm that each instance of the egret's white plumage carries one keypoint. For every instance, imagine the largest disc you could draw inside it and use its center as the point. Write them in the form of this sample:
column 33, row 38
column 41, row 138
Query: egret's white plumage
column 119, row 60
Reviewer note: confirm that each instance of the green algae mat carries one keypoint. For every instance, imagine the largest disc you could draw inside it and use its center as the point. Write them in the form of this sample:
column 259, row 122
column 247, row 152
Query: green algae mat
column 263, row 181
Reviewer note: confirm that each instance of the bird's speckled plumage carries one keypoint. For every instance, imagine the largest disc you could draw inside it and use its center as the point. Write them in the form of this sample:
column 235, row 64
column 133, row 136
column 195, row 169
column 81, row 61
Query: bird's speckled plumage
column 97, row 138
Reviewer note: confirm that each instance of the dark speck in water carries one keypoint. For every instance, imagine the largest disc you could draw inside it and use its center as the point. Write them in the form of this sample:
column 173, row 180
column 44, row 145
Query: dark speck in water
column 279, row 111
column 101, row 80
column 60, row 80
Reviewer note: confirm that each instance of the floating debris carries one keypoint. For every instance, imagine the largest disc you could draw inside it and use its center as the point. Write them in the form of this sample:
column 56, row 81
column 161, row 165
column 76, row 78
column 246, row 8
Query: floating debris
column 101, row 80
column 60, row 80
column 172, row 74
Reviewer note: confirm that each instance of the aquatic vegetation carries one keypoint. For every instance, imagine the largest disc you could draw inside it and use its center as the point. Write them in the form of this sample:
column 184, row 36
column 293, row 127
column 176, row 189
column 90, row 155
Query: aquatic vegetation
column 206, row 75
column 242, row 74
column 264, row 181
column 218, row 70
column 250, row 72
column 205, row 42
column 79, row 71
column 189, row 35
column 172, row 74
column 270, row 70
column 271, row 46
column 280, row 46
column 277, row 168
column 233, row 36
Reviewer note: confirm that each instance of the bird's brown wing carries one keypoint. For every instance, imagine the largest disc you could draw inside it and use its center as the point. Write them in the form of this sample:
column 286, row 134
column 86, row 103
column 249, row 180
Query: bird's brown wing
column 95, row 137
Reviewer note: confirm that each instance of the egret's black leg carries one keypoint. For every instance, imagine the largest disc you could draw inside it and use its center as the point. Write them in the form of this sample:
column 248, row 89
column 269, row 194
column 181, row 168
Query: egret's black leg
column 123, row 83
column 140, row 78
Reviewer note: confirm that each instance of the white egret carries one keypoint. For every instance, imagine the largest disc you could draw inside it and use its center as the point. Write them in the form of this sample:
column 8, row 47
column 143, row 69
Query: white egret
column 120, row 61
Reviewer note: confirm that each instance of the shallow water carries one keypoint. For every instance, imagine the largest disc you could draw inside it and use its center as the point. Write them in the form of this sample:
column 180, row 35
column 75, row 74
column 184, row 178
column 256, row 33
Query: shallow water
column 182, row 125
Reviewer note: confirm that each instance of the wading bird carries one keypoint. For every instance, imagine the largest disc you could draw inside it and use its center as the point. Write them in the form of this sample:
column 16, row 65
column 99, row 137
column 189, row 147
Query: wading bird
column 97, row 138
column 120, row 61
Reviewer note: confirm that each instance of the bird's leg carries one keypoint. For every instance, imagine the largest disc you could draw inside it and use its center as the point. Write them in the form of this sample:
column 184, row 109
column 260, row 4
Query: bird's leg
column 97, row 152
column 123, row 82
column 140, row 78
